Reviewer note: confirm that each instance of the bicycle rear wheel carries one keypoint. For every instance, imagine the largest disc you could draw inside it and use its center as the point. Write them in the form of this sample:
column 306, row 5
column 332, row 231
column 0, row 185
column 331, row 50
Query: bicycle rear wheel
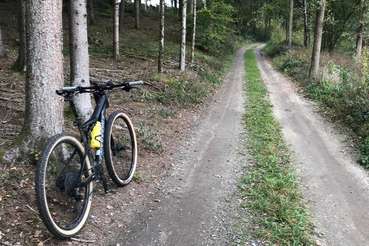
column 120, row 148
column 63, row 203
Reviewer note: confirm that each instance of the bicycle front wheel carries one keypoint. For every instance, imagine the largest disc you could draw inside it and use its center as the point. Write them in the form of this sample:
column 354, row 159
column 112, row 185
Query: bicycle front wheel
column 63, row 200
column 120, row 148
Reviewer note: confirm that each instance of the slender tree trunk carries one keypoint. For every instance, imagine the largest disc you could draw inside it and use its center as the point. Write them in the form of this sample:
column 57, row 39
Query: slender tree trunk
column 205, row 5
column 162, row 36
column 137, row 16
column 121, row 14
column 91, row 11
column 180, row 7
column 2, row 45
column 20, row 64
column 44, row 109
column 306, row 25
column 315, row 58
column 194, row 13
column 146, row 5
column 116, row 30
column 79, row 62
column 182, row 62
column 359, row 41
column 290, row 25
column 360, row 30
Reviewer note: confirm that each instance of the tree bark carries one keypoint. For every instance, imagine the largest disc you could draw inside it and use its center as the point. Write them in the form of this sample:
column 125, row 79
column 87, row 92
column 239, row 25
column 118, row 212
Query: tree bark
column 79, row 61
column 44, row 109
column 194, row 14
column 306, row 25
column 290, row 25
column 121, row 14
column 175, row 4
column 182, row 62
column 359, row 41
column 20, row 64
column 137, row 15
column 360, row 30
column 116, row 30
column 315, row 58
column 162, row 36
column 180, row 7
column 2, row 45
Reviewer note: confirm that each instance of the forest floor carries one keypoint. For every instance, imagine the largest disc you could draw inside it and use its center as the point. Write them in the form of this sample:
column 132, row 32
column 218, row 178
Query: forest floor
column 335, row 187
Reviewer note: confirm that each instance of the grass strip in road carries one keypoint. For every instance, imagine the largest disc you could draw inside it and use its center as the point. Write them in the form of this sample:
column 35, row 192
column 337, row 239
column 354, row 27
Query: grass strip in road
column 269, row 188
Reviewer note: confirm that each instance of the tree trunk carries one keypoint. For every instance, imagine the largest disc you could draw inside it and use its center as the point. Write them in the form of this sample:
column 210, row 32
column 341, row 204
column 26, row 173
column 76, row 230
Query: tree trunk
column 116, row 30
column 290, row 25
column 20, row 64
column 180, row 7
column 137, row 15
column 315, row 58
column 359, row 41
column 44, row 109
column 182, row 62
column 205, row 5
column 306, row 25
column 194, row 12
column 162, row 37
column 91, row 11
column 2, row 46
column 79, row 62
column 360, row 30
column 121, row 14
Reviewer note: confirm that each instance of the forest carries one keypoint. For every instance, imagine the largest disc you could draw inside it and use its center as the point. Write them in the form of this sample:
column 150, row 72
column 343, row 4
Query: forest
column 206, row 122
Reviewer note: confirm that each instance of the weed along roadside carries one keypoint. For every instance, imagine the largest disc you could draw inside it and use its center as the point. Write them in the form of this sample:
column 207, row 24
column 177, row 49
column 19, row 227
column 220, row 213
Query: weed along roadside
column 341, row 91
column 269, row 189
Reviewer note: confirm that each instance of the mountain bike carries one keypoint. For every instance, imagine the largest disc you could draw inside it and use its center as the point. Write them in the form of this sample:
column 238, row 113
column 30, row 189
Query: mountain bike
column 70, row 165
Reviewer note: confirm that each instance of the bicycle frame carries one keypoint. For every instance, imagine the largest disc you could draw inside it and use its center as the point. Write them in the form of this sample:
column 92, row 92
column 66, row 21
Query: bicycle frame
column 99, row 114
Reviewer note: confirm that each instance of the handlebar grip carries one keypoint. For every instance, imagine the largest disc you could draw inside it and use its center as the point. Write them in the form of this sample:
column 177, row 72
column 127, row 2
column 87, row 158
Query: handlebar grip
column 69, row 88
column 134, row 83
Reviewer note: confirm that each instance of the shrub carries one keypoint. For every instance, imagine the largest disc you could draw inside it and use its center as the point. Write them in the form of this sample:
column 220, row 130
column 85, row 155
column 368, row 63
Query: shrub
column 215, row 28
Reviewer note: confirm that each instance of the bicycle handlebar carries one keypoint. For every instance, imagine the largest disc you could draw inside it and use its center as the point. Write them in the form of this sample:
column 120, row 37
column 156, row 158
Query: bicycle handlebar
column 108, row 85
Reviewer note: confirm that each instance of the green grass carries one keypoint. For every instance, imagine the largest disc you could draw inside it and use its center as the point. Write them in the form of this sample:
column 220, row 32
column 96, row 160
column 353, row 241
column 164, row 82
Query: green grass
column 270, row 189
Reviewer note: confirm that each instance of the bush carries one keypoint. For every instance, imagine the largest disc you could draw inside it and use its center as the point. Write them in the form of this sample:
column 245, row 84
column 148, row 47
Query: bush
column 273, row 49
column 215, row 28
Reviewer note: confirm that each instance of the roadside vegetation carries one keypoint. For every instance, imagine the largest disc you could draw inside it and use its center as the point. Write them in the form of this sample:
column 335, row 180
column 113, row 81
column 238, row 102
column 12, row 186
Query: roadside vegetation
column 270, row 188
column 342, row 90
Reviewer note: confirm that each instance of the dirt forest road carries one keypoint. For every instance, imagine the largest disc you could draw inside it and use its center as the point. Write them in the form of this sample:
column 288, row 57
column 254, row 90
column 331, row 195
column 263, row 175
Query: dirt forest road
column 196, row 204
column 335, row 187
